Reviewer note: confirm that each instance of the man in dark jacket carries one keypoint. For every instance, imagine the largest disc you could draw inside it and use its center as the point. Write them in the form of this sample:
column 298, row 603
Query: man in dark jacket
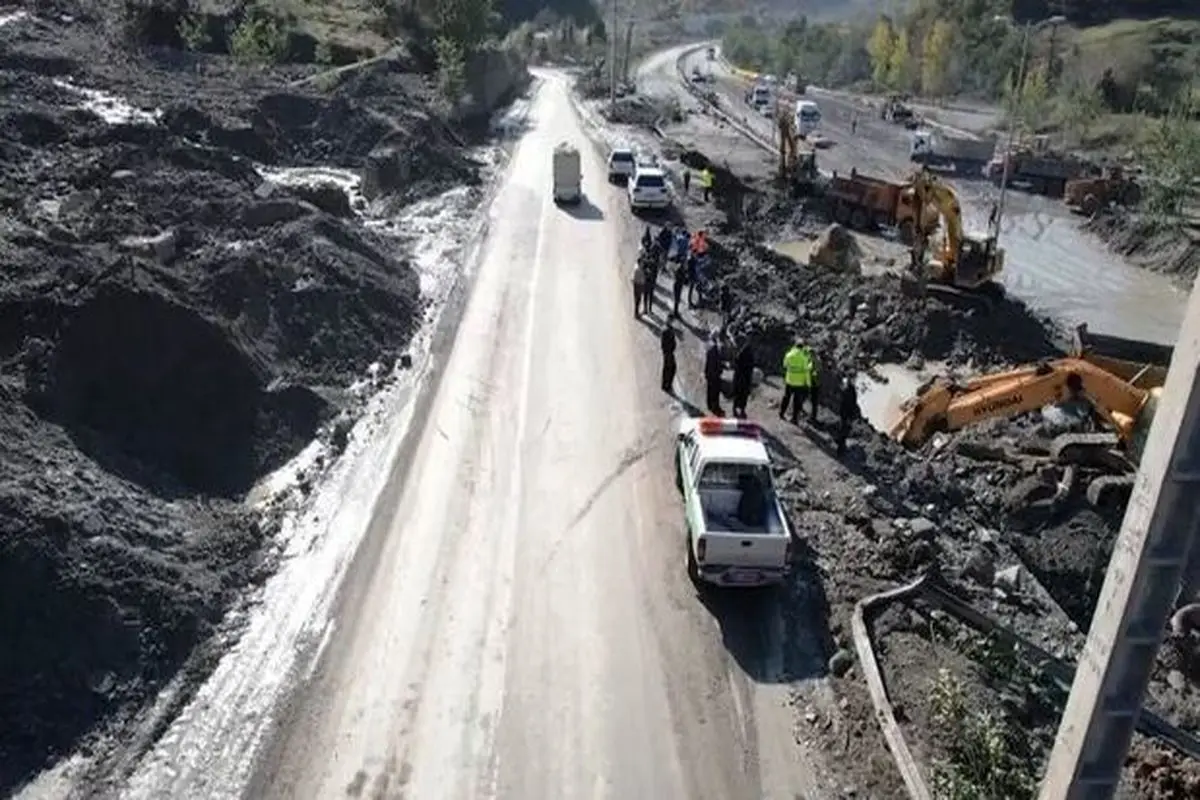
column 848, row 413
column 665, row 238
column 712, row 376
column 651, row 278
column 743, row 375
column 814, row 387
column 668, row 341
column 680, row 283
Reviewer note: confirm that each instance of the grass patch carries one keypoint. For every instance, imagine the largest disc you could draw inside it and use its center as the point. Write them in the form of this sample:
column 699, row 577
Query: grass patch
column 353, row 24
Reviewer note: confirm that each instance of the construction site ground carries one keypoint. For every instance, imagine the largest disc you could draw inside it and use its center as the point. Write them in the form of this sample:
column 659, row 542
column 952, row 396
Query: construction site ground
column 881, row 515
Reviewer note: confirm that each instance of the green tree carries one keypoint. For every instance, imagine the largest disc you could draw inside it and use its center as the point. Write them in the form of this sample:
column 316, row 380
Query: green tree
column 451, row 58
column 466, row 22
column 900, row 66
column 1080, row 107
column 1034, row 98
column 935, row 58
column 880, row 47
column 1172, row 156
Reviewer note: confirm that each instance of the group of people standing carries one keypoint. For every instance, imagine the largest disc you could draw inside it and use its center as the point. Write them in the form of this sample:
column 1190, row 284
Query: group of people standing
column 800, row 366
column 689, row 254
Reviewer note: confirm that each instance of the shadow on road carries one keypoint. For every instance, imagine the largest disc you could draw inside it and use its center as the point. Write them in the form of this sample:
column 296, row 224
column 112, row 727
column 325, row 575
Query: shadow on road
column 585, row 210
column 776, row 635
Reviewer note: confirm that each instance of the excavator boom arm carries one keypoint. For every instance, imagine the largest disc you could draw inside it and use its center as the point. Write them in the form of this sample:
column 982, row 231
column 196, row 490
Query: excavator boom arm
column 947, row 406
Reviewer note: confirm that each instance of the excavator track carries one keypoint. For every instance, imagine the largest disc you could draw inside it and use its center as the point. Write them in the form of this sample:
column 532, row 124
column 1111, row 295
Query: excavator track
column 1110, row 491
column 1086, row 450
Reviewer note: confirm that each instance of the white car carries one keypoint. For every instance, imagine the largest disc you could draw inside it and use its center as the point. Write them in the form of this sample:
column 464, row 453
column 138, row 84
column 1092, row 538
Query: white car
column 622, row 163
column 648, row 189
column 737, row 532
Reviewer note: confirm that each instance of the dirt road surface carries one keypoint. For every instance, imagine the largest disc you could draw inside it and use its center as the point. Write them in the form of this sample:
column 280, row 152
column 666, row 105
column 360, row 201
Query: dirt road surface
column 518, row 622
column 1050, row 263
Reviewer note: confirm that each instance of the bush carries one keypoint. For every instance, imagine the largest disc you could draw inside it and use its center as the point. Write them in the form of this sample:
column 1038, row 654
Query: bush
column 258, row 39
column 452, row 64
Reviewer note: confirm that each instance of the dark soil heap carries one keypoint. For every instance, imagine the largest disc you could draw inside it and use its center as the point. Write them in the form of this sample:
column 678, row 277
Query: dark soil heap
column 980, row 505
column 1170, row 248
column 172, row 327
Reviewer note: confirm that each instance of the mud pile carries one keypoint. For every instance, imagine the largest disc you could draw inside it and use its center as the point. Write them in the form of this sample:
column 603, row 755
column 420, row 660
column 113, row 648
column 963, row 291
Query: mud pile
column 174, row 327
column 1172, row 249
column 856, row 321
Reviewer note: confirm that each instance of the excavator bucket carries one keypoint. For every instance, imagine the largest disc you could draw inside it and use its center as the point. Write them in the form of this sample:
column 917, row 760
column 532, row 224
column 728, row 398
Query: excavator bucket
column 1141, row 363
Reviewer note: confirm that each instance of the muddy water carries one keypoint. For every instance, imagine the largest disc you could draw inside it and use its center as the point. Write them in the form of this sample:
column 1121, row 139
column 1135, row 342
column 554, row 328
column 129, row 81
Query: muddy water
column 1067, row 274
column 884, row 390
column 1050, row 264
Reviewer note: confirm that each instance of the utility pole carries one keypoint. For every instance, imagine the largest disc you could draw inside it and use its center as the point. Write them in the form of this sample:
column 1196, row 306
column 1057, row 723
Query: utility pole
column 1149, row 558
column 612, row 62
column 1007, row 162
column 628, row 51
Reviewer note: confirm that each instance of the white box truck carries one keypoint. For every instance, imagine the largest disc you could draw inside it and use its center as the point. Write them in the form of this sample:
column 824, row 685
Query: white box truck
column 568, row 174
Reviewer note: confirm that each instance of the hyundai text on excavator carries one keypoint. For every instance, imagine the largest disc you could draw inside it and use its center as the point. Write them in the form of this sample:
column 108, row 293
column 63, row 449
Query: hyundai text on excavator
column 962, row 263
column 1100, row 372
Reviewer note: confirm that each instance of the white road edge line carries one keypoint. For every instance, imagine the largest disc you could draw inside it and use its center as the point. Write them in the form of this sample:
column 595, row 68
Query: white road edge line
column 497, row 639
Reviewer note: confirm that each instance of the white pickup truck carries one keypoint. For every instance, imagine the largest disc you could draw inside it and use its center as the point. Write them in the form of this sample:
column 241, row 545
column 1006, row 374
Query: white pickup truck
column 737, row 534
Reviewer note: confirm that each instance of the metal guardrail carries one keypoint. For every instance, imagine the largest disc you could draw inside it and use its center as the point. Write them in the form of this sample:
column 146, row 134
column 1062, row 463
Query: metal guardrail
column 931, row 589
column 714, row 107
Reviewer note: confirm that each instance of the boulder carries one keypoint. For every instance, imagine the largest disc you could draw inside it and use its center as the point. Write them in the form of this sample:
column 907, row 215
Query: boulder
column 836, row 248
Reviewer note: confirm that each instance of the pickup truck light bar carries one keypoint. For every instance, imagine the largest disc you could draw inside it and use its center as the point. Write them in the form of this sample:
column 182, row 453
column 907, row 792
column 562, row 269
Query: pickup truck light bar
column 721, row 426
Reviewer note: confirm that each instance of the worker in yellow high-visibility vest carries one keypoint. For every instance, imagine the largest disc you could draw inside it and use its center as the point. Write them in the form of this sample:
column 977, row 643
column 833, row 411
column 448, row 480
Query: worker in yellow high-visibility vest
column 706, row 182
column 797, row 380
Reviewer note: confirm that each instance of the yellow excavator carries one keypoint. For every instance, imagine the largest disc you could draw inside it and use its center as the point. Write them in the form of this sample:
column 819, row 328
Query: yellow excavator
column 962, row 262
column 797, row 161
column 1124, row 393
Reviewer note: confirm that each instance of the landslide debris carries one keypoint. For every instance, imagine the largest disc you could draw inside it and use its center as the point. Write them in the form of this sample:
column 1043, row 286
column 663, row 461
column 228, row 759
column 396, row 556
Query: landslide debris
column 981, row 506
column 174, row 325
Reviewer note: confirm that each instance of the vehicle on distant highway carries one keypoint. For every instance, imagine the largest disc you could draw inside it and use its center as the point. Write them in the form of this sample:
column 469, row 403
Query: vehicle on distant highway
column 648, row 189
column 964, row 155
column 567, row 174
column 808, row 118
column 622, row 162
column 712, row 54
column 737, row 533
column 761, row 95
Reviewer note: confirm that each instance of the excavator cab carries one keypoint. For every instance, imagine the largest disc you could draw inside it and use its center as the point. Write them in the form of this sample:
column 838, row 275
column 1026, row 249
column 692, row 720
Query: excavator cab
column 963, row 262
column 797, row 164
column 979, row 260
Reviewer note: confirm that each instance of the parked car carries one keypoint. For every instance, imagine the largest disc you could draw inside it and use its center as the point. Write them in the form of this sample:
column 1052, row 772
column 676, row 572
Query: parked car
column 648, row 189
column 622, row 163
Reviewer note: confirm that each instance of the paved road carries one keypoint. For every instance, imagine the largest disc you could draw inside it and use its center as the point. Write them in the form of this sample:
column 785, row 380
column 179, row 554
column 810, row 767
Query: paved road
column 1050, row 263
column 525, row 630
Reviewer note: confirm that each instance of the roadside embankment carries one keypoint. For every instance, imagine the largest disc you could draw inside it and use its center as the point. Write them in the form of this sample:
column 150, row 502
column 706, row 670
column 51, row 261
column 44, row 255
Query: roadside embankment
column 1170, row 248
column 180, row 321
